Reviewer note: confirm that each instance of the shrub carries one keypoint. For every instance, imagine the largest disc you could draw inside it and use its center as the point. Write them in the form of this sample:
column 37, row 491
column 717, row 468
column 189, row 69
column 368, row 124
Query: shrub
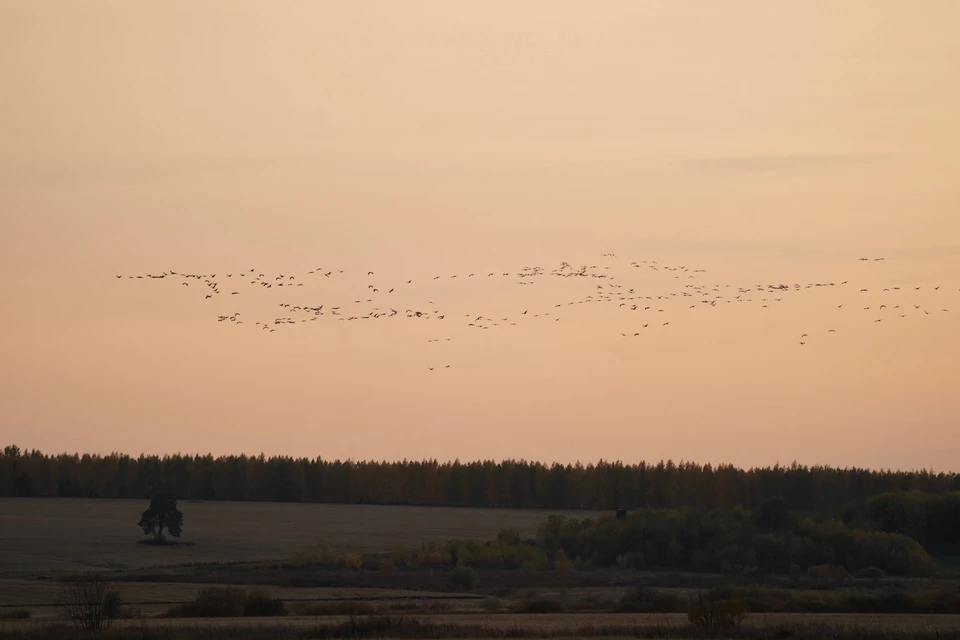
column 870, row 573
column 646, row 600
column 259, row 604
column 491, row 604
column 90, row 602
column 431, row 556
column 635, row 560
column 827, row 574
column 228, row 602
column 706, row 612
column 387, row 566
column 795, row 572
column 588, row 603
column 113, row 606
column 353, row 561
column 406, row 558
column 508, row 536
column 15, row 614
column 463, row 578
column 562, row 563
column 543, row 606
column 214, row 602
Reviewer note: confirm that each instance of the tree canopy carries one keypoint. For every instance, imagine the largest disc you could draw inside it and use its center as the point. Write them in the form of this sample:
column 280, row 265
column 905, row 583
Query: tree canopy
column 508, row 483
column 162, row 513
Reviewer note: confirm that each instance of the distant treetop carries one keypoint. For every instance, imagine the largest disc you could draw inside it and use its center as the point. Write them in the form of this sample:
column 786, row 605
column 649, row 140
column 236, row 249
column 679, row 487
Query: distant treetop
column 510, row 483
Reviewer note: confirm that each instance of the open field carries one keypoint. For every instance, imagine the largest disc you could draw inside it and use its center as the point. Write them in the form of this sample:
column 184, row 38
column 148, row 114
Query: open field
column 548, row 625
column 50, row 535
column 41, row 597
column 559, row 622
column 43, row 592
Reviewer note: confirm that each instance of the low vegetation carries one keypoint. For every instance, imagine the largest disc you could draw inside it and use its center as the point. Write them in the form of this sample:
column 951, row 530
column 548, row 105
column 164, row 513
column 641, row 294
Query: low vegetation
column 402, row 627
column 14, row 614
column 463, row 578
column 90, row 602
column 711, row 613
column 229, row 602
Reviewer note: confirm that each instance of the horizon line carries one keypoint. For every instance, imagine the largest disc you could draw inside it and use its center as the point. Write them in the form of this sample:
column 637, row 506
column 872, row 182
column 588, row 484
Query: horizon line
column 795, row 464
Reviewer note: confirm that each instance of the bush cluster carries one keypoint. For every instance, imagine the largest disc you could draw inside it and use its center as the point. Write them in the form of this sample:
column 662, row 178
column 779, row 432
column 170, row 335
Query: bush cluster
column 229, row 602
column 463, row 578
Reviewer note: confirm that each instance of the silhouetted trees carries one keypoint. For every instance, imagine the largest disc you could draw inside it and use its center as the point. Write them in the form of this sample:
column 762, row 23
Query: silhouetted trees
column 774, row 515
column 510, row 483
column 162, row 513
column 718, row 540
column 931, row 519
column 727, row 541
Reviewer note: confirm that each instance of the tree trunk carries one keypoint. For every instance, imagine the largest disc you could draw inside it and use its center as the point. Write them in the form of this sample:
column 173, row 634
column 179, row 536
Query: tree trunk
column 160, row 529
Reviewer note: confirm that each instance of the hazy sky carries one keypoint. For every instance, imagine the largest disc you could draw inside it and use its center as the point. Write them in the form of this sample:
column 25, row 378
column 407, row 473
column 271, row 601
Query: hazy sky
column 764, row 141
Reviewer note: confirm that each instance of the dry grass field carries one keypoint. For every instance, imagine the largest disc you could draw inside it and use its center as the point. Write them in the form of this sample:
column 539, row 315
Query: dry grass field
column 546, row 625
column 559, row 622
column 40, row 536
column 41, row 597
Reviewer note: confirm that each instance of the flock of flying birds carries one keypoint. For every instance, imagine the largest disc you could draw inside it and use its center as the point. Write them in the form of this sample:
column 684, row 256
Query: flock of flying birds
column 379, row 299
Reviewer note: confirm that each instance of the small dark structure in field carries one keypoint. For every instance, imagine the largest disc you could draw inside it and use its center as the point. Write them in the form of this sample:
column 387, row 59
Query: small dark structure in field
column 621, row 514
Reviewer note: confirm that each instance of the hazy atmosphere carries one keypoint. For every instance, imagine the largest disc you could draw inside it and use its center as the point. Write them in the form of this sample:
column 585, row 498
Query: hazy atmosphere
column 677, row 155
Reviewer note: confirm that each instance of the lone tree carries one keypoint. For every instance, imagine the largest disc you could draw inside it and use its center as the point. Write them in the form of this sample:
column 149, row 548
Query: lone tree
column 162, row 513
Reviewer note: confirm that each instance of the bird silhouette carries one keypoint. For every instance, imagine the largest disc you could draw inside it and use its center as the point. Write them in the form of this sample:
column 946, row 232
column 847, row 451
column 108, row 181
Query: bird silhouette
column 609, row 287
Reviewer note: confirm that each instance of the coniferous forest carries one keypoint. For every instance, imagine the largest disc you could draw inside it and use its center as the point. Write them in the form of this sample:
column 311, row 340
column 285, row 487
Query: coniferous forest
column 510, row 483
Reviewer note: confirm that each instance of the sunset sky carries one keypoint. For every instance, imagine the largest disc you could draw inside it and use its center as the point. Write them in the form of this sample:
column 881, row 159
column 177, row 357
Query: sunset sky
column 764, row 141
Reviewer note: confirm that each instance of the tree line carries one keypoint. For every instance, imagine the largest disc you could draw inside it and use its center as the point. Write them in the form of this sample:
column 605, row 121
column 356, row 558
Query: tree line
column 813, row 549
column 509, row 483
column 733, row 542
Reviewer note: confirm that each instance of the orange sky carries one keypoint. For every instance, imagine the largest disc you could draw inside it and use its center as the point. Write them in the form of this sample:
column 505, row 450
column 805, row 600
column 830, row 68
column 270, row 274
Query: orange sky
column 766, row 142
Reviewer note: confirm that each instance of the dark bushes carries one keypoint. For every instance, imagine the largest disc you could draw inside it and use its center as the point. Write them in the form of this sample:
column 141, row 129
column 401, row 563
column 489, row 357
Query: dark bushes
column 334, row 608
column 259, row 604
column 766, row 600
column 870, row 573
column 646, row 600
column 463, row 578
column 932, row 519
column 709, row 612
column 722, row 541
column 90, row 602
column 543, row 606
column 14, row 614
column 228, row 602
